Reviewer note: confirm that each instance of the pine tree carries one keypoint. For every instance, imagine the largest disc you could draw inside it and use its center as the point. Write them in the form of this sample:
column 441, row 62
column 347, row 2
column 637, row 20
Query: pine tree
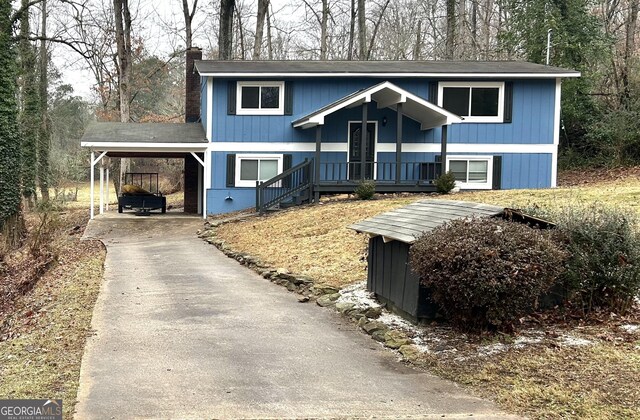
column 10, row 211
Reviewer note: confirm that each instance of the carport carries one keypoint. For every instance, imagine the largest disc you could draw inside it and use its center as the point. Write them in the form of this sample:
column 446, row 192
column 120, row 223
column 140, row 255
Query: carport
column 151, row 140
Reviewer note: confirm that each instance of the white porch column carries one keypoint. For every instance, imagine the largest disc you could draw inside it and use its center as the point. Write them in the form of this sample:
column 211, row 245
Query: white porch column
column 101, row 188
column 206, row 181
column 93, row 156
column 106, row 187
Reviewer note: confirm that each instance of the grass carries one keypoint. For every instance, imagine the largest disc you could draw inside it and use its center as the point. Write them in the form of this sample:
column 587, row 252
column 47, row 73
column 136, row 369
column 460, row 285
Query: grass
column 44, row 336
column 588, row 382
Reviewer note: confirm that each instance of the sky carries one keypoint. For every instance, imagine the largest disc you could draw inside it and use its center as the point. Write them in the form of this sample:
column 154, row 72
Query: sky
column 74, row 71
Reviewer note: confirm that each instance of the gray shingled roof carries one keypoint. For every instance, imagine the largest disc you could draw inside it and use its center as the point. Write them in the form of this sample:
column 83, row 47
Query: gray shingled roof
column 442, row 68
column 115, row 132
column 406, row 224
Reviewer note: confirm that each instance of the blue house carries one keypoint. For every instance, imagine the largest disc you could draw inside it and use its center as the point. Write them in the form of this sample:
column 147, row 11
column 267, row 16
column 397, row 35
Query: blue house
column 495, row 125
column 268, row 133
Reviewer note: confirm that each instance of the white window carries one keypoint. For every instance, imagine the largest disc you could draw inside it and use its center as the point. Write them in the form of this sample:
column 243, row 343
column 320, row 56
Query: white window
column 260, row 98
column 252, row 168
column 474, row 101
column 472, row 172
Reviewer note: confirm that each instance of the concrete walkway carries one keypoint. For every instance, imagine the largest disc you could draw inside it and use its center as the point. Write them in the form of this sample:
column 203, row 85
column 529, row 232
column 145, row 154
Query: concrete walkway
column 184, row 332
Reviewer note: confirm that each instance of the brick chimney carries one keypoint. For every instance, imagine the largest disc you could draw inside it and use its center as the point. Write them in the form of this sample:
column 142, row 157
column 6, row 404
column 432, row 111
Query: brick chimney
column 192, row 86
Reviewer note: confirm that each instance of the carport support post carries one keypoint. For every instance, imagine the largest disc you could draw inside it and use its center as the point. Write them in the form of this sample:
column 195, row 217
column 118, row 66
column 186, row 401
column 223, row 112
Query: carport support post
column 101, row 188
column 92, row 177
column 399, row 144
column 106, row 187
column 364, row 139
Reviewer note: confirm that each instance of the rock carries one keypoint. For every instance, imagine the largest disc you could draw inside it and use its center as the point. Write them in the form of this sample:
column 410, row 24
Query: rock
column 324, row 290
column 373, row 326
column 333, row 296
column 373, row 313
column 343, row 307
column 303, row 299
column 325, row 301
column 292, row 287
column 282, row 271
column 362, row 321
column 302, row 280
column 396, row 339
column 379, row 335
column 409, row 351
column 281, row 282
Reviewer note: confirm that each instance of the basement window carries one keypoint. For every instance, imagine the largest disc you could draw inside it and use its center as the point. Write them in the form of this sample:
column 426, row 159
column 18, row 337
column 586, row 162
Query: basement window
column 474, row 101
column 252, row 168
column 471, row 173
column 260, row 98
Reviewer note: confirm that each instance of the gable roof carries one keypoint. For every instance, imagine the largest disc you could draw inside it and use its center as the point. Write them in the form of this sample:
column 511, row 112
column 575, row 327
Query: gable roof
column 408, row 223
column 386, row 94
column 382, row 68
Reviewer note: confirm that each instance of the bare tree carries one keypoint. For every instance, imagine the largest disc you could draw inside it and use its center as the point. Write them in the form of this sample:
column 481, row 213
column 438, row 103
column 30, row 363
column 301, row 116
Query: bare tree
column 188, row 20
column 352, row 29
column 44, row 133
column 362, row 30
column 263, row 7
column 225, row 35
column 451, row 29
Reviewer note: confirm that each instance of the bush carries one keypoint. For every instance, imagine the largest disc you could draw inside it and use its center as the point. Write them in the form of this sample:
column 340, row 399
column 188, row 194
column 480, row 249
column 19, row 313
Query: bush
column 486, row 273
column 445, row 183
column 365, row 190
column 603, row 269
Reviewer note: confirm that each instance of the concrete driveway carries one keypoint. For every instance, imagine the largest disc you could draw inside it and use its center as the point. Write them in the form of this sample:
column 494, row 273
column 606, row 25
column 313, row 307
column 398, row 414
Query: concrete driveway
column 181, row 331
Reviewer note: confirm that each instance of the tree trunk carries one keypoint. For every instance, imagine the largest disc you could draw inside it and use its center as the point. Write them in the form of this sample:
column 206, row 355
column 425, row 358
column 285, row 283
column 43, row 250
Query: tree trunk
column 269, row 38
column 243, row 50
column 362, row 30
column 44, row 135
column 323, row 29
column 474, row 28
column 123, row 42
column 263, row 6
column 11, row 221
column 417, row 48
column 629, row 50
column 225, row 34
column 188, row 20
column 375, row 30
column 451, row 29
column 352, row 30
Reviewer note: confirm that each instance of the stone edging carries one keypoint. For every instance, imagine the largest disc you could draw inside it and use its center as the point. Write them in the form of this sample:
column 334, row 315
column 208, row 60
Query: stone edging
column 366, row 317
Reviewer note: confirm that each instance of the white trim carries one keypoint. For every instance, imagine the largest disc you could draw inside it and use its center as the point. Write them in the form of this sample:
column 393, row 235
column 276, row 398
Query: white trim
column 252, row 184
column 470, row 185
column 375, row 143
column 209, row 108
column 343, row 147
column 259, row 111
column 92, row 178
column 207, row 182
column 556, row 134
column 145, row 147
column 196, row 157
column 385, row 75
column 476, row 119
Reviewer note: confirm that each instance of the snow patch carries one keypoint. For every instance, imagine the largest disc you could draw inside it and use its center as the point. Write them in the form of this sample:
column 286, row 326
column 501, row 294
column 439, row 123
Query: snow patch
column 571, row 340
column 630, row 328
column 358, row 295
column 521, row 342
column 492, row 349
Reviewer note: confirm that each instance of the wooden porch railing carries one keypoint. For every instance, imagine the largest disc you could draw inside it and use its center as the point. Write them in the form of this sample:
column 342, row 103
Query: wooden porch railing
column 291, row 184
column 382, row 172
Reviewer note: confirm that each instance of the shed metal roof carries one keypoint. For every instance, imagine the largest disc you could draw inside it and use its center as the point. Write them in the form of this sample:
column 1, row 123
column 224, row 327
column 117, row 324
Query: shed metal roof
column 407, row 223
column 382, row 68
column 116, row 132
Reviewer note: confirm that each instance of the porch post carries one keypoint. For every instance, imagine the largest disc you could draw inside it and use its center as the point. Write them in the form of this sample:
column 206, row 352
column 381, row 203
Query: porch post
column 106, row 187
column 364, row 139
column 316, row 195
column 92, row 178
column 399, row 144
column 443, row 150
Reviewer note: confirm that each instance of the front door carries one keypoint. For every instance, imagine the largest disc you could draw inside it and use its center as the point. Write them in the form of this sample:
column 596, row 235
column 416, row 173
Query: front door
column 355, row 151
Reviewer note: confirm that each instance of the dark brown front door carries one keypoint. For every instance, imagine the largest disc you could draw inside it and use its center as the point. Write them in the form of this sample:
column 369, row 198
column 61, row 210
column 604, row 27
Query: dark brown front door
column 355, row 150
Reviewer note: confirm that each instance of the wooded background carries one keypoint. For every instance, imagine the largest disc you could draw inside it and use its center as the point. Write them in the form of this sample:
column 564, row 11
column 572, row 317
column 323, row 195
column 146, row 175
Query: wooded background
column 134, row 51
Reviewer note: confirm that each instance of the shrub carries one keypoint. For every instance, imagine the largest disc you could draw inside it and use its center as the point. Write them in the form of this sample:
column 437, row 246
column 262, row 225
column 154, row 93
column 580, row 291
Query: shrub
column 445, row 183
column 365, row 190
column 603, row 269
column 486, row 273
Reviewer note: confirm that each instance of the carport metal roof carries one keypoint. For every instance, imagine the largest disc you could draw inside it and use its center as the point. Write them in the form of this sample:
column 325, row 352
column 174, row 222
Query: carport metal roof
column 408, row 223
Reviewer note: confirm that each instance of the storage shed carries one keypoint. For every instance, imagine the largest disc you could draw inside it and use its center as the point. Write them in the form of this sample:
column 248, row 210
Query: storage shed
column 391, row 234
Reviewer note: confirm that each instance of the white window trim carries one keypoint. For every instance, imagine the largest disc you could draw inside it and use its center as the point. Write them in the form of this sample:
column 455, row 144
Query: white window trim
column 259, row 111
column 474, row 185
column 252, row 184
column 470, row 119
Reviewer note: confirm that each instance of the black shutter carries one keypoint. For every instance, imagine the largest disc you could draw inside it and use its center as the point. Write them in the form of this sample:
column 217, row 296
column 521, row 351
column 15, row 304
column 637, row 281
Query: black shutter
column 433, row 92
column 508, row 101
column 288, row 98
column 231, row 97
column 286, row 165
column 231, row 170
column 497, row 173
